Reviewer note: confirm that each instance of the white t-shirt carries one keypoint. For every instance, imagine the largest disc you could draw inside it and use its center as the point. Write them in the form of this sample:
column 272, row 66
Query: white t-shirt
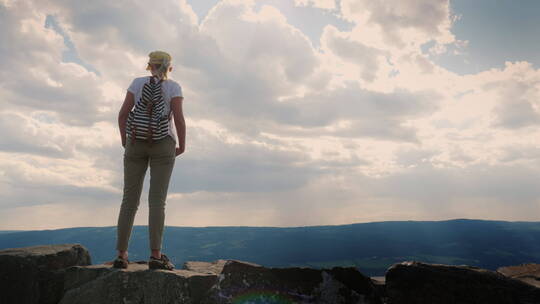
column 170, row 88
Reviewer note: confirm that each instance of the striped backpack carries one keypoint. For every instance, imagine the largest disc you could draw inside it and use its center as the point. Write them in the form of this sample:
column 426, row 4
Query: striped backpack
column 148, row 120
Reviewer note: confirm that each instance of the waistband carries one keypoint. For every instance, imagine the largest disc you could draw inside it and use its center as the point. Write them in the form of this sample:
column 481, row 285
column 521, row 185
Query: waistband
column 129, row 139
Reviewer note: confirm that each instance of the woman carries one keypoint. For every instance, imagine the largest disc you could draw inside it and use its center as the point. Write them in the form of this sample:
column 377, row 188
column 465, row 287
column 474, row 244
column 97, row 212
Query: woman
column 149, row 139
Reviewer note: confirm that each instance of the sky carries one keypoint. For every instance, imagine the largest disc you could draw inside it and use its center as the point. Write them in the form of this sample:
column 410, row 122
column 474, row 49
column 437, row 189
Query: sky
column 298, row 112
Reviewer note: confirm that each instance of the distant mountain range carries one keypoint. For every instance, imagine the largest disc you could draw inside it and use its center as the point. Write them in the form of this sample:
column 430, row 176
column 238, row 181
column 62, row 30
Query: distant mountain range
column 371, row 247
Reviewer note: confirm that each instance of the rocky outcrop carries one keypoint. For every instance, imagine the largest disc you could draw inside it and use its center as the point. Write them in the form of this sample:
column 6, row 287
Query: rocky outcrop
column 222, row 281
column 63, row 274
column 421, row 283
column 102, row 284
column 242, row 280
column 36, row 274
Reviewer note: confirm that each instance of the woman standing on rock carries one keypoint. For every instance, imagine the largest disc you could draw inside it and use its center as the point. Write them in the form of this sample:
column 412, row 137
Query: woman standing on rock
column 149, row 139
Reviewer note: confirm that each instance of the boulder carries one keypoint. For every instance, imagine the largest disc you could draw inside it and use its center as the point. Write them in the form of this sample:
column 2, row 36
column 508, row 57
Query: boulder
column 528, row 273
column 413, row 282
column 101, row 283
column 35, row 274
column 240, row 282
column 221, row 281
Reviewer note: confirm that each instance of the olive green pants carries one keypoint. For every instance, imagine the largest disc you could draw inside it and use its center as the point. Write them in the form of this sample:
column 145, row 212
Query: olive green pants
column 161, row 155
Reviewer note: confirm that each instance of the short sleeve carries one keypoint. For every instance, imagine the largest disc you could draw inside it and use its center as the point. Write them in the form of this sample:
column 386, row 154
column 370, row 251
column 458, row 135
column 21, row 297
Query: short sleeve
column 176, row 90
column 133, row 86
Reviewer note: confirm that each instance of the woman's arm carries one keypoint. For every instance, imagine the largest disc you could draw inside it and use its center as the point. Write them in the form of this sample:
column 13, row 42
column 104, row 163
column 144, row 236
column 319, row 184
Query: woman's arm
column 179, row 122
column 129, row 102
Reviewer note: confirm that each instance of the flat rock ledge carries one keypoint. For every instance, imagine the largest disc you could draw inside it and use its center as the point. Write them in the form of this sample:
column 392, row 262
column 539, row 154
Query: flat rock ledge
column 64, row 274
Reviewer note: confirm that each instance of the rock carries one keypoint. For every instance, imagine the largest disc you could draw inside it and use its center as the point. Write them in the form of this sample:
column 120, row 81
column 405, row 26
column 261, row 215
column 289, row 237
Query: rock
column 240, row 281
column 528, row 273
column 221, row 281
column 380, row 287
column 36, row 274
column 63, row 274
column 414, row 282
column 101, row 283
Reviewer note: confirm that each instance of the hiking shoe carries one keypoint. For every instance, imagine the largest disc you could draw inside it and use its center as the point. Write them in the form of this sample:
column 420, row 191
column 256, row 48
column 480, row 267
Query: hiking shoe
column 163, row 263
column 120, row 262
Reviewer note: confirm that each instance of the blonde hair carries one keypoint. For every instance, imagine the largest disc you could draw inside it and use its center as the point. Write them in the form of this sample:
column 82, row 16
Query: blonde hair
column 163, row 59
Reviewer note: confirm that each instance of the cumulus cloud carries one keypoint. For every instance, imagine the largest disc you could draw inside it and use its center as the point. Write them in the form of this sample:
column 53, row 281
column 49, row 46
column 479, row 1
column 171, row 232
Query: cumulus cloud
column 426, row 18
column 365, row 57
column 29, row 136
column 325, row 4
column 367, row 127
column 518, row 98
column 37, row 78
column 242, row 166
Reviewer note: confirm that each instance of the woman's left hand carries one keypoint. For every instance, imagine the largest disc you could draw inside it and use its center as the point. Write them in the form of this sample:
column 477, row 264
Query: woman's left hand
column 179, row 151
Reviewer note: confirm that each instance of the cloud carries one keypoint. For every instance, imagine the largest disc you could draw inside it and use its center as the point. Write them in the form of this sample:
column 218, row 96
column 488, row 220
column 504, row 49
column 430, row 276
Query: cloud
column 276, row 128
column 518, row 98
column 29, row 136
column 365, row 113
column 243, row 166
column 36, row 78
column 274, row 61
column 30, row 180
column 323, row 4
column 520, row 152
column 398, row 21
column 505, row 184
column 365, row 57
column 414, row 156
